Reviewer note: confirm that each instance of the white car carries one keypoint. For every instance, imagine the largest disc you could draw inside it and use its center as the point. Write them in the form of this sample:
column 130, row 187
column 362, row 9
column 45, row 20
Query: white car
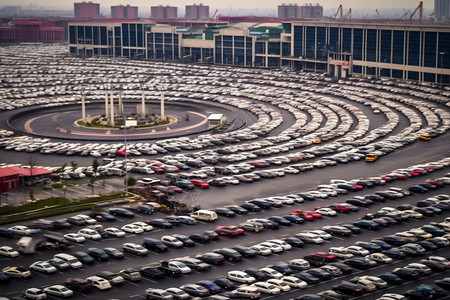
column 100, row 283
column 58, row 291
column 309, row 238
column 357, row 250
column 144, row 226
column 130, row 228
column 240, row 276
column 271, row 273
column 440, row 259
column 380, row 257
column 74, row 237
column 116, row 232
column 267, row 288
column 423, row 269
column 379, row 283
column 21, row 230
column 89, row 233
column 8, row 251
column 35, row 294
column 43, row 267
column 340, row 252
column 180, row 266
column 281, row 243
column 279, row 283
column 413, row 214
column 88, row 219
column 294, row 282
column 135, row 249
column 261, row 250
column 299, row 264
column 326, row 211
column 324, row 235
column 318, row 194
column 275, row 248
column 172, row 241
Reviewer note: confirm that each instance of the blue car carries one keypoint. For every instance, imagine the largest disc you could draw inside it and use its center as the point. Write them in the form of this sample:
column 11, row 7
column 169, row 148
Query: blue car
column 187, row 220
column 367, row 224
column 210, row 286
column 382, row 244
column 418, row 189
column 372, row 247
column 308, row 278
column 294, row 219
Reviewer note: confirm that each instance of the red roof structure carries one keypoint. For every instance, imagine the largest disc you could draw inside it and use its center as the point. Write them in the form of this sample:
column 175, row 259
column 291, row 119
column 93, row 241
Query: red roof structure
column 10, row 171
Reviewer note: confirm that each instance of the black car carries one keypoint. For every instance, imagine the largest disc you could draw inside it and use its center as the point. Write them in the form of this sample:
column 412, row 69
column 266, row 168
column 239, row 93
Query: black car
column 223, row 211
column 194, row 263
column 443, row 283
column 174, row 220
column 160, row 223
column 6, row 232
column 84, row 258
column 200, row 238
column 260, row 203
column 294, row 219
column 151, row 272
column 217, row 182
column 210, row 286
column 225, row 283
column 282, row 268
column 309, row 297
column 434, row 230
column 375, row 197
column 244, row 251
column 256, row 273
column 211, row 258
column 319, row 273
column 62, row 224
column 394, row 240
column 391, row 278
column 360, row 263
column 372, row 247
column 349, row 288
column 237, row 209
column 429, row 246
column 294, row 242
column 102, row 216
column 184, row 239
column 113, row 253
column 308, row 278
column 185, row 184
column 307, row 197
column 406, row 273
column 121, row 212
column 437, row 242
column 212, row 235
column 145, row 209
column 250, row 207
column 280, row 220
column 367, row 224
column 314, row 260
column 435, row 266
column 155, row 245
column 352, row 227
column 337, row 230
column 229, row 254
column 4, row 278
column 98, row 254
column 266, row 223
column 408, row 251
column 343, row 267
column 394, row 253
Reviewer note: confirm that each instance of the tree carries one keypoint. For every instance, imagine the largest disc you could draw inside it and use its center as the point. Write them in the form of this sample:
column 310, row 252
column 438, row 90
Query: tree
column 91, row 184
column 32, row 163
column 95, row 165
column 74, row 165
column 131, row 181
column 61, row 169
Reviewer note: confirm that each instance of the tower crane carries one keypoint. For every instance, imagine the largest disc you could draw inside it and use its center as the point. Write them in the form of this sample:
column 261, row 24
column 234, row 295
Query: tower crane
column 339, row 12
column 420, row 9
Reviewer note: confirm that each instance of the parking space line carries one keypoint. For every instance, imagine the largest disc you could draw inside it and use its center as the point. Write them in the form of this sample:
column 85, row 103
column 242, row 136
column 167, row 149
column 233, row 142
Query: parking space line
column 134, row 296
column 149, row 280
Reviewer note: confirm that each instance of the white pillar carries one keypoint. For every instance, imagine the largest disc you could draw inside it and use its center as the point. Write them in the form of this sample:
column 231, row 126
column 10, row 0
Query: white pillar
column 120, row 103
column 163, row 116
column 143, row 105
column 106, row 106
column 83, row 107
column 112, row 108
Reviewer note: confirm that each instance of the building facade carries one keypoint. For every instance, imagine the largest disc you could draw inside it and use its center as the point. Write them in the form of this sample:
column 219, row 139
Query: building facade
column 442, row 9
column 164, row 12
column 294, row 11
column 23, row 30
column 124, row 12
column 86, row 10
column 197, row 12
column 413, row 52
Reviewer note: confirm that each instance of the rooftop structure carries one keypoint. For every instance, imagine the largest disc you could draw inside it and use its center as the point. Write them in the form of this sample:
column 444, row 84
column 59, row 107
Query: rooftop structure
column 86, row 10
column 127, row 12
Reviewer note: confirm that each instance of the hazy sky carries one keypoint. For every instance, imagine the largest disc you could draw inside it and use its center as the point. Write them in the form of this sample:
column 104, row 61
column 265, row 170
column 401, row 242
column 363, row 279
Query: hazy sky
column 235, row 4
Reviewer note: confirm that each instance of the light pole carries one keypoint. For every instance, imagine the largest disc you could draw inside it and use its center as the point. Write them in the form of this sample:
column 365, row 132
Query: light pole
column 442, row 69
column 126, row 154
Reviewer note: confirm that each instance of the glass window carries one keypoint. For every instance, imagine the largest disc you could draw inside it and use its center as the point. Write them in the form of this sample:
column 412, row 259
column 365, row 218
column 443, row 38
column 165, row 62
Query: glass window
column 321, row 43
column 259, row 61
column 239, row 42
column 413, row 48
column 218, row 56
column 398, row 47
column 429, row 77
column 397, row 73
column 298, row 41
column 227, row 41
column 274, row 48
column 347, row 40
column 444, row 47
column 133, row 40
column 371, row 53
column 249, row 42
column 357, row 44
column 167, row 38
column 274, row 62
column 310, row 42
column 103, row 36
column 72, row 35
column 260, row 48
column 249, row 57
column 81, row 32
column 158, row 38
column 96, row 37
column 227, row 56
column 239, row 57
column 429, row 57
column 334, row 39
column 385, row 72
column 371, row 71
column 413, row 75
column 386, row 40
column 286, row 49
column 357, row 69
column 125, row 34
column 287, row 27
column 73, row 50
column 140, row 36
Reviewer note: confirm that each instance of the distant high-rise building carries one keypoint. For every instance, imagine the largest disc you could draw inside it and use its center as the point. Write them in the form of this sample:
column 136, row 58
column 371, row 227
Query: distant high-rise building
column 86, row 10
column 10, row 11
column 164, row 12
column 442, row 9
column 197, row 12
column 294, row 11
column 124, row 12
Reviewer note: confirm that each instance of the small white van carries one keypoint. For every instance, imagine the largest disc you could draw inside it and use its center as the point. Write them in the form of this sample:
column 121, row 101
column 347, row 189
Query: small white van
column 73, row 262
column 204, row 215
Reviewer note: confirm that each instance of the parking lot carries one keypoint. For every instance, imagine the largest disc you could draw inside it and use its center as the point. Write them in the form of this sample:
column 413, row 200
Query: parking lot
column 307, row 137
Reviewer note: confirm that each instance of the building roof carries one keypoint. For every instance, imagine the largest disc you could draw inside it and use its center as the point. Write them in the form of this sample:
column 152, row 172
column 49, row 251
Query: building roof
column 9, row 171
column 215, row 117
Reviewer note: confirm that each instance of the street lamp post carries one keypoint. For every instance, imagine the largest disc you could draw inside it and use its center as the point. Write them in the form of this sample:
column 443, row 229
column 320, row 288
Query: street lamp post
column 126, row 155
column 442, row 70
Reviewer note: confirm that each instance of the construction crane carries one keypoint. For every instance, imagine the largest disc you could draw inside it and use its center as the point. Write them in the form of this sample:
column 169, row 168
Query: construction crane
column 379, row 15
column 420, row 9
column 348, row 16
column 339, row 12
column 403, row 16
column 214, row 15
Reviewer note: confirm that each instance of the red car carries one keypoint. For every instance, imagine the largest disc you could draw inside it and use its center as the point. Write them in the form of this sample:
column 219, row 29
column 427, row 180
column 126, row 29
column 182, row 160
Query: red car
column 200, row 183
column 435, row 182
column 387, row 178
column 78, row 284
column 257, row 164
column 175, row 189
column 163, row 189
column 121, row 153
column 315, row 215
column 229, row 230
column 301, row 214
column 327, row 256
column 339, row 208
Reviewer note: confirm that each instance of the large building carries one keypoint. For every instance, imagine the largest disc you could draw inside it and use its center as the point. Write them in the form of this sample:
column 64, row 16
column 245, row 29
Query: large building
column 294, row 11
column 197, row 12
column 23, row 30
column 442, row 9
column 164, row 12
column 86, row 10
column 413, row 52
column 124, row 12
